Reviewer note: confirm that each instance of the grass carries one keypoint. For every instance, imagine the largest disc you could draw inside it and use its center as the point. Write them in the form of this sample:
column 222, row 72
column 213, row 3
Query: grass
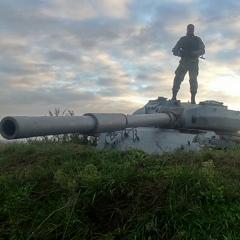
column 51, row 190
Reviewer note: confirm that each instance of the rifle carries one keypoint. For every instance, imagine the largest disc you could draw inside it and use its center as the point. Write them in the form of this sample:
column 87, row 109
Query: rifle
column 184, row 53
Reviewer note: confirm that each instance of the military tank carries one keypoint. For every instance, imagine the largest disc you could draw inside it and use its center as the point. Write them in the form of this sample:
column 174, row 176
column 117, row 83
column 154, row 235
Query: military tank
column 160, row 126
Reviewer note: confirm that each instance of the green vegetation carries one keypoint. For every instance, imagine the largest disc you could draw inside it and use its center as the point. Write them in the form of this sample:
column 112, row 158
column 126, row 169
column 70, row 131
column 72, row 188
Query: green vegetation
column 50, row 190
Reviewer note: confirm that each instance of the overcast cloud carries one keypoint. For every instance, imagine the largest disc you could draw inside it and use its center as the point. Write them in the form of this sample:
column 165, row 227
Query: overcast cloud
column 111, row 56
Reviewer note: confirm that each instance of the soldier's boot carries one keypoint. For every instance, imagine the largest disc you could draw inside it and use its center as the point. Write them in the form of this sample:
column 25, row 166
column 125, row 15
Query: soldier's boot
column 193, row 95
column 174, row 95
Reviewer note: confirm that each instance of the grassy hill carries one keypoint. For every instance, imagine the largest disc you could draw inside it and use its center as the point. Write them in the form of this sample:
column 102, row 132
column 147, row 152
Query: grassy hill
column 69, row 191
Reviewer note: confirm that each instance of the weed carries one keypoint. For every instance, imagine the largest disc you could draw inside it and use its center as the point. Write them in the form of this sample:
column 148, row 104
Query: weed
column 51, row 190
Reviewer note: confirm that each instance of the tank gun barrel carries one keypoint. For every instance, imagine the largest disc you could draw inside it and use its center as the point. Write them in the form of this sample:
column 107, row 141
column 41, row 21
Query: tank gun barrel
column 16, row 127
column 160, row 126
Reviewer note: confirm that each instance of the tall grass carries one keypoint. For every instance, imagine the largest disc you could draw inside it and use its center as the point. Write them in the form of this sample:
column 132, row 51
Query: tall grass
column 50, row 190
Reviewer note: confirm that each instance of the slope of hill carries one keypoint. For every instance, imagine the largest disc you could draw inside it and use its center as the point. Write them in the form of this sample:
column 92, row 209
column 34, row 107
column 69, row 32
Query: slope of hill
column 69, row 191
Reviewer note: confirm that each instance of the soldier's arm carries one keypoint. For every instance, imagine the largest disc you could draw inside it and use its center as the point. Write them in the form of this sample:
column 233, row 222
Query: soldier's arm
column 201, row 50
column 176, row 48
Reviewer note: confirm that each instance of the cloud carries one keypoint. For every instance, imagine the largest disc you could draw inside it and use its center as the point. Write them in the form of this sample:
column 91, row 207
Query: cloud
column 111, row 56
column 78, row 10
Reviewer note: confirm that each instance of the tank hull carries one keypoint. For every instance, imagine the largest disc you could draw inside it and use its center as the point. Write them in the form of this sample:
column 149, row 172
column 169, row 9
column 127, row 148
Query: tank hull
column 156, row 140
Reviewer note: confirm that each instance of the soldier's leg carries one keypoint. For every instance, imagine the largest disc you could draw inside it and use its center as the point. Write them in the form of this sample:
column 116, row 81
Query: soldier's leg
column 179, row 76
column 193, row 73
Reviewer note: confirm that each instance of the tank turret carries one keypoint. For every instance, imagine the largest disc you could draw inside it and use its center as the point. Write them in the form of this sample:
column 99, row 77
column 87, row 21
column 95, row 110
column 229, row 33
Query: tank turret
column 160, row 126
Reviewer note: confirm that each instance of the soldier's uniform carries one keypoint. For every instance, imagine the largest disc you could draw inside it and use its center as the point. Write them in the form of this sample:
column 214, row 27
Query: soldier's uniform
column 189, row 48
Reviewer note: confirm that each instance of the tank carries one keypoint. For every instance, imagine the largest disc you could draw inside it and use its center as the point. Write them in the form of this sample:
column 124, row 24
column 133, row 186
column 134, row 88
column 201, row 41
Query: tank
column 160, row 126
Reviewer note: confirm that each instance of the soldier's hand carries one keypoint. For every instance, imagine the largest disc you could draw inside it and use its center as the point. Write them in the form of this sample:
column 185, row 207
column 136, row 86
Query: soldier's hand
column 194, row 54
column 176, row 52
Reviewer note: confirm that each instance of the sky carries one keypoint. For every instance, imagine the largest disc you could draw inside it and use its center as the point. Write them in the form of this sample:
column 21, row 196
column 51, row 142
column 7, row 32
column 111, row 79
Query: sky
column 112, row 56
